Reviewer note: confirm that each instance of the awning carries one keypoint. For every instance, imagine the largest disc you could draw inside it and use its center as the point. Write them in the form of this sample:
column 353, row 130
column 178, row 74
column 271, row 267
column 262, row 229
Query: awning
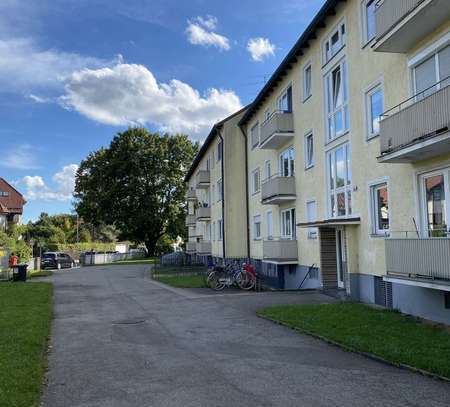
column 331, row 222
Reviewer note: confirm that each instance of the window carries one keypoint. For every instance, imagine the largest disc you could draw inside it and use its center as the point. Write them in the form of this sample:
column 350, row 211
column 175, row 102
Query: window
column 311, row 215
column 374, row 108
column 433, row 73
column 266, row 115
column 287, row 159
column 4, row 193
column 339, row 182
column 214, row 231
column 213, row 160
column 285, row 101
column 337, row 101
column 309, row 150
column 269, row 225
column 307, row 82
column 380, row 209
column 256, row 181
column 257, row 227
column 219, row 151
column 220, row 229
column 254, row 132
column 219, row 190
column 288, row 224
column 334, row 43
column 369, row 23
column 267, row 170
column 213, row 194
column 208, row 163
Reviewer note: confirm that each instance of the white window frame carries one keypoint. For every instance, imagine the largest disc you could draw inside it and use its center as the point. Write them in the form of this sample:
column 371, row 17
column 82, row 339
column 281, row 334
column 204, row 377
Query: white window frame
column 220, row 230
column 219, row 150
column 290, row 151
column 255, row 127
column 370, row 91
column 347, row 188
column 343, row 108
column 283, row 94
column 269, row 224
column 307, row 91
column 214, row 231
column 364, row 22
column 267, row 169
column 374, row 186
column 219, row 190
column 308, row 163
column 313, row 232
column 327, row 56
column 213, row 194
column 266, row 115
column 257, row 236
column 256, row 188
column 283, row 224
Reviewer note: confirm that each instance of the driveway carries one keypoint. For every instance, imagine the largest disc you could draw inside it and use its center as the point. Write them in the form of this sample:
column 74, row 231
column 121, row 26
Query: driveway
column 122, row 340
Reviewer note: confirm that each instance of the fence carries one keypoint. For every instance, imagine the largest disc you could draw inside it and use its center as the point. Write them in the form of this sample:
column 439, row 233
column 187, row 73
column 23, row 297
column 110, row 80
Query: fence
column 92, row 259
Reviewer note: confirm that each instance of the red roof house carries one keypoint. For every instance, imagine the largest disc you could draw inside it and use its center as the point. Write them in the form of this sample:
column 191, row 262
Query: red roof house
column 11, row 204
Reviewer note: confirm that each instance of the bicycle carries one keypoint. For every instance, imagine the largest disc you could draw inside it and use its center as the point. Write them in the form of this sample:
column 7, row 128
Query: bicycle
column 231, row 275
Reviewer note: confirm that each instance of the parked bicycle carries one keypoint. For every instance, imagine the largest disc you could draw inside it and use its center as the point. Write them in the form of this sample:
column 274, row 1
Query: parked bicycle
column 233, row 274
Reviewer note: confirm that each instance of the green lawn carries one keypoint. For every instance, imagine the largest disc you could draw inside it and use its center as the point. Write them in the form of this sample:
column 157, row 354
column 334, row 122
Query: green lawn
column 25, row 317
column 180, row 281
column 150, row 260
column 397, row 338
column 40, row 273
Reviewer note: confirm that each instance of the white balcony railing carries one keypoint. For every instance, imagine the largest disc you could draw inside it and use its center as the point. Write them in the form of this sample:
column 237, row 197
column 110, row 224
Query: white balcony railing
column 203, row 247
column 277, row 190
column 280, row 250
column 203, row 213
column 276, row 130
column 203, row 179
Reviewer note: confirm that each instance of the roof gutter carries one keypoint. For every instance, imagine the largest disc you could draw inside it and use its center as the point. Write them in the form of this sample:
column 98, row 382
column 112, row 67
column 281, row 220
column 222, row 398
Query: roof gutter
column 247, row 206
column 222, row 194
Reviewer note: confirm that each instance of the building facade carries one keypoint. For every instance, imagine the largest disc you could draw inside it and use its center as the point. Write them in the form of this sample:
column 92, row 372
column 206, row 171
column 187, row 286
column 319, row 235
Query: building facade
column 11, row 205
column 348, row 158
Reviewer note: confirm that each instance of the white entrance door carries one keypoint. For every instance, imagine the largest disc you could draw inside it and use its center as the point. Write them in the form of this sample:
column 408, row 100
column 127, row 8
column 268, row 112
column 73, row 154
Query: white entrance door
column 341, row 258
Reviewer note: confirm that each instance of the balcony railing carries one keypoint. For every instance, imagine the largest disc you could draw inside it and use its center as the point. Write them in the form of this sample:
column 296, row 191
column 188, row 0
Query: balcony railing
column 203, row 247
column 400, row 24
column 190, row 220
column 277, row 130
column 418, row 258
column 191, row 247
column 203, row 213
column 202, row 179
column 277, row 190
column 191, row 195
column 281, row 250
column 424, row 115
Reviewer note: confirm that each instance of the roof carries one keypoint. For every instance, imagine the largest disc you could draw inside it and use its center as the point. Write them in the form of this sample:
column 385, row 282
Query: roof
column 328, row 9
column 331, row 222
column 208, row 142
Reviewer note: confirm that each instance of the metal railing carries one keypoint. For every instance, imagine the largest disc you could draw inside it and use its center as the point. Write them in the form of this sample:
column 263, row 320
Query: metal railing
column 278, row 122
column 418, row 257
column 203, row 247
column 420, row 115
column 203, row 178
column 203, row 213
column 280, row 249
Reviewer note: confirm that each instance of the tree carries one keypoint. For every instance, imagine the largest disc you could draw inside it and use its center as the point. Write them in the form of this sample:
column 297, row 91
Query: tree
column 137, row 185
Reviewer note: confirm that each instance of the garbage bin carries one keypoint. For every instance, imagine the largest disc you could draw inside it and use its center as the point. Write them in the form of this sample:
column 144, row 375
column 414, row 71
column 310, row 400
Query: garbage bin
column 20, row 272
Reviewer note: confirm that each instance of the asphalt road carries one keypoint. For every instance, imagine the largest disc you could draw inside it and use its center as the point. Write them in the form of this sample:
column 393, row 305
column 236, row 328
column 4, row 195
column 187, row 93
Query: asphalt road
column 122, row 340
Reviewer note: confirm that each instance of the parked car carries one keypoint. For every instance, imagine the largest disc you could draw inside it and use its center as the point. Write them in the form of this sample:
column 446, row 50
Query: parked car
column 56, row 260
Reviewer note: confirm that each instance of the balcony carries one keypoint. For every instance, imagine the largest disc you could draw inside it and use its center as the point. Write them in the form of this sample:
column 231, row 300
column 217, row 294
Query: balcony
column 400, row 24
column 278, row 190
column 418, row 128
column 191, row 247
column 280, row 250
column 421, row 260
column 190, row 220
column 277, row 130
column 203, row 214
column 203, row 247
column 202, row 180
column 191, row 195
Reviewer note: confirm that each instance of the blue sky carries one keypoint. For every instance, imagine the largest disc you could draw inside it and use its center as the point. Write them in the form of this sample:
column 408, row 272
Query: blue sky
column 75, row 72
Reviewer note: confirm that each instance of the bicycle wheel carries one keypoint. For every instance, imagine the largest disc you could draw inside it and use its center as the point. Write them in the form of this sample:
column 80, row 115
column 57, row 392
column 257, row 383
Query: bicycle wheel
column 214, row 281
column 245, row 280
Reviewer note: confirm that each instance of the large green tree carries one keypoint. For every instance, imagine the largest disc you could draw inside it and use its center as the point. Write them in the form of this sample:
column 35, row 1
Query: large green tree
column 136, row 184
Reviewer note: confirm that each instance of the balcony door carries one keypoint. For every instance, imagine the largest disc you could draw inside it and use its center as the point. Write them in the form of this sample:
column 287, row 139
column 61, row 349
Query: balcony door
column 288, row 224
column 287, row 162
column 435, row 197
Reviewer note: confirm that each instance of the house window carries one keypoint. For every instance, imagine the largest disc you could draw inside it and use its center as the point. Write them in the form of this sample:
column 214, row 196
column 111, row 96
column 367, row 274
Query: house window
column 254, row 132
column 433, row 73
column 285, row 101
column 267, row 170
column 288, row 224
column 219, row 190
column 287, row 162
column 309, row 150
column 4, row 193
column 266, row 115
column 374, row 108
column 256, row 183
column 380, row 209
column 213, row 159
column 208, row 163
column 369, row 22
column 337, row 101
column 339, row 182
column 334, row 42
column 311, row 215
column 220, row 229
column 219, row 151
column 307, row 82
column 214, row 231
column 213, row 194
column 257, row 227
column 269, row 224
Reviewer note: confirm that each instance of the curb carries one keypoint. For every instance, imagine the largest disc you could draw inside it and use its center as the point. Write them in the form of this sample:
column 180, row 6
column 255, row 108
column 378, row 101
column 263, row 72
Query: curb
column 359, row 352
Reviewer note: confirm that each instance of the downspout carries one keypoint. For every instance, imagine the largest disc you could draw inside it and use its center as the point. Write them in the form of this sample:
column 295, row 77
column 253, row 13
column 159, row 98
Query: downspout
column 223, row 195
column 247, row 206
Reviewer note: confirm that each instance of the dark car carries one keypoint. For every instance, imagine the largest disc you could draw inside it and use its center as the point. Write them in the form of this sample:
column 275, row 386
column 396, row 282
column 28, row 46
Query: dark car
column 56, row 260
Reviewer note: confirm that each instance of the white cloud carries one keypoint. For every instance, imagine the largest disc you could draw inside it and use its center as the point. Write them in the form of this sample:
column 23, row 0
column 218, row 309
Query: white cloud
column 129, row 94
column 260, row 48
column 200, row 32
column 21, row 157
column 64, row 184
